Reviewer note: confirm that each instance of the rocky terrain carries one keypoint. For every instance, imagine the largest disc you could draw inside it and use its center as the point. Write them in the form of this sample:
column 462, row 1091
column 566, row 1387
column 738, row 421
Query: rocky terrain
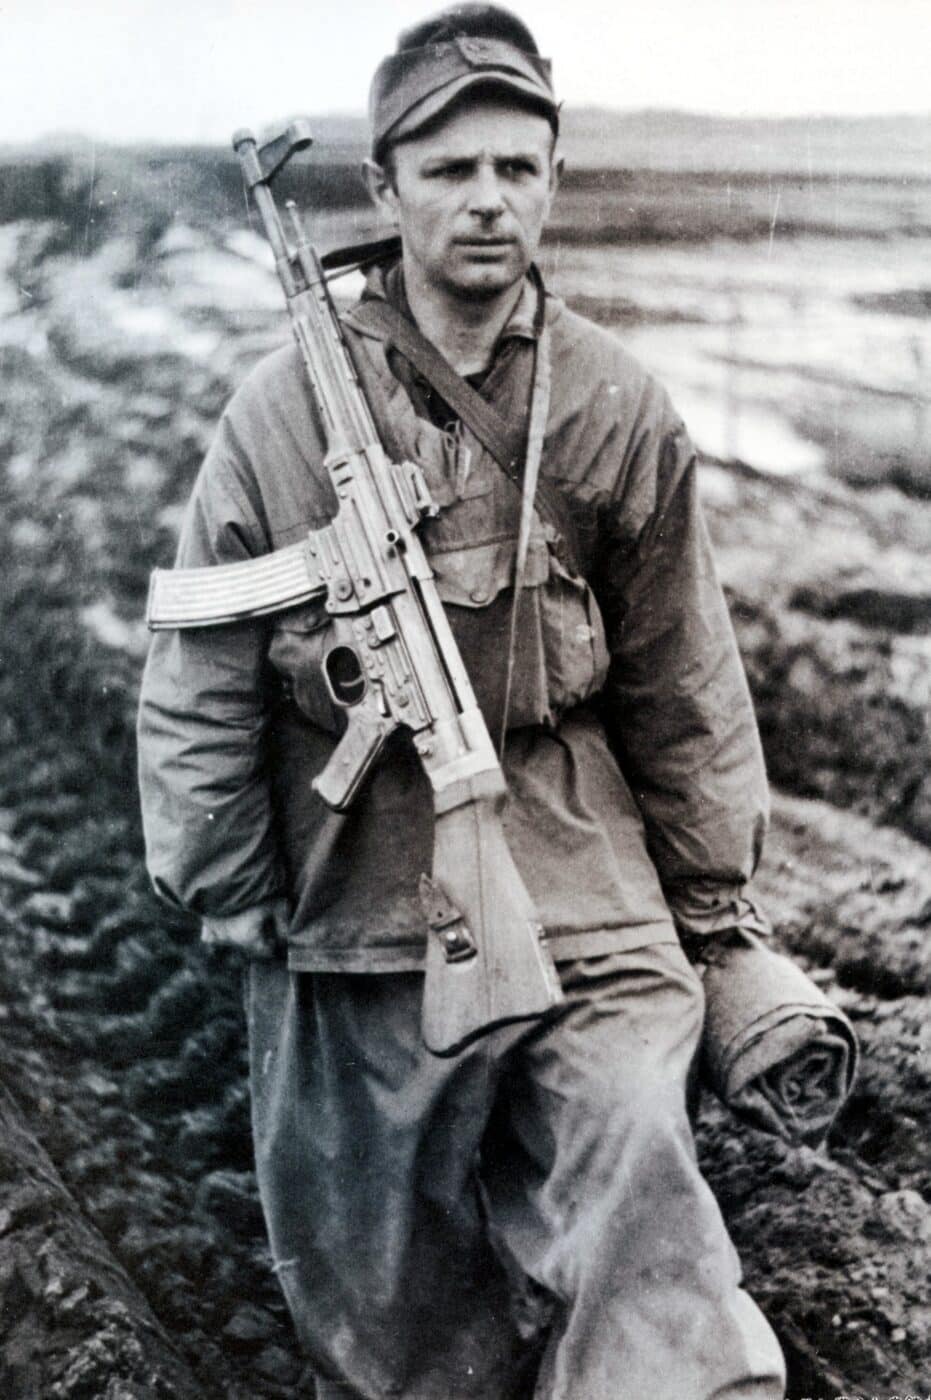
column 132, row 1257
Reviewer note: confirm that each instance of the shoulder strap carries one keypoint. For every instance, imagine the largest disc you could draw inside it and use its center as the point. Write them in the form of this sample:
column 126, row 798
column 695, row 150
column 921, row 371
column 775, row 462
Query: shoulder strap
column 493, row 432
column 497, row 436
column 539, row 407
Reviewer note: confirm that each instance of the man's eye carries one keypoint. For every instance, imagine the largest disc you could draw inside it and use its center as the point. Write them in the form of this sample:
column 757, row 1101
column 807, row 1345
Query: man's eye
column 514, row 168
column 454, row 170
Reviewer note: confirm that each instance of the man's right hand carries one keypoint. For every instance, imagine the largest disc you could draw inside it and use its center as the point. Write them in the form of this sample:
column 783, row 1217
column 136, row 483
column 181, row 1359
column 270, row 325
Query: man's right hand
column 259, row 932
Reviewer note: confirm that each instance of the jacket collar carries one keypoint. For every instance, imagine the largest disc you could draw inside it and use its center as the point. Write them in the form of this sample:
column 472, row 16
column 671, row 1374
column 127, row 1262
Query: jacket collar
column 385, row 282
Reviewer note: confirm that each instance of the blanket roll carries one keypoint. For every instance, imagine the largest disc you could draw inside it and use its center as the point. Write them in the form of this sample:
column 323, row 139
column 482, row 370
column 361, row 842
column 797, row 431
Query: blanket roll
column 775, row 1050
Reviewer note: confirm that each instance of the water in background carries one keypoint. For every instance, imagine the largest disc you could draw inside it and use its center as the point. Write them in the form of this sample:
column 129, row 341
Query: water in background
column 775, row 275
column 794, row 353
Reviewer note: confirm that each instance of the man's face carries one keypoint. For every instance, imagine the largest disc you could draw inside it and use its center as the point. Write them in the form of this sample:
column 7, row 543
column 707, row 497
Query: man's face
column 471, row 196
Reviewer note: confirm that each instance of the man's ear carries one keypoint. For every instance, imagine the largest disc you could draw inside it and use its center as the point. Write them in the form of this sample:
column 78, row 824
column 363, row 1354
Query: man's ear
column 381, row 190
column 556, row 170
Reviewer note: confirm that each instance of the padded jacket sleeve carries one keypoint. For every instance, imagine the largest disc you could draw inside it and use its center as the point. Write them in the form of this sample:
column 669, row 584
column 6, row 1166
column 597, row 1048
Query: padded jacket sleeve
column 676, row 704
column 210, row 840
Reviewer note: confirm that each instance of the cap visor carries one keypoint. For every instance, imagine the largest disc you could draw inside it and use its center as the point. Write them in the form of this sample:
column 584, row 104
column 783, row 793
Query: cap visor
column 431, row 106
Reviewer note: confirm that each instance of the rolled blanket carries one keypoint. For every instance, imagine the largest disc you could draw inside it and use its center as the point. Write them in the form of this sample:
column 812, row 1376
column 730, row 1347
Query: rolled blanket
column 775, row 1050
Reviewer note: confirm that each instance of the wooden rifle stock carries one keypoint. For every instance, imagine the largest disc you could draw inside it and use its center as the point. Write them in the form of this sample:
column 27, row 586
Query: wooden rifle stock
column 496, row 969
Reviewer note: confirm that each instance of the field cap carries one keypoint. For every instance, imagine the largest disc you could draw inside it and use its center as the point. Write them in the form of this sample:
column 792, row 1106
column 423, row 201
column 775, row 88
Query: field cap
column 462, row 47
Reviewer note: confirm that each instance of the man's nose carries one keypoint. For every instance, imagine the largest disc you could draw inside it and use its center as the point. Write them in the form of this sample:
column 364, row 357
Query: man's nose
column 485, row 195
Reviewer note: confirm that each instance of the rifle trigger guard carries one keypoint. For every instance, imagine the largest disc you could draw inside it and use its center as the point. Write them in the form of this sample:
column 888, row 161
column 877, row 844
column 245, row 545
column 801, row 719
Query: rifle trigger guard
column 446, row 923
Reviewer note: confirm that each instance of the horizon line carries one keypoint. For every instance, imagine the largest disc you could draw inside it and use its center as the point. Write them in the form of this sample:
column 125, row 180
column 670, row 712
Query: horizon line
column 64, row 136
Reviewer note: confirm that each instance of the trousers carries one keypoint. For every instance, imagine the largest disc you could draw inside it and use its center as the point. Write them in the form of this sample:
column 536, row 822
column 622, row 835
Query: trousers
column 525, row 1219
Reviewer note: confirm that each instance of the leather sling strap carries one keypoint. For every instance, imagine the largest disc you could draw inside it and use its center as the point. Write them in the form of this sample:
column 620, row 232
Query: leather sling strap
column 360, row 256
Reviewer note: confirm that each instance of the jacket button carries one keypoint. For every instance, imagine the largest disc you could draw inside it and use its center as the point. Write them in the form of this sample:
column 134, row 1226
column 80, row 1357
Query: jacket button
column 479, row 595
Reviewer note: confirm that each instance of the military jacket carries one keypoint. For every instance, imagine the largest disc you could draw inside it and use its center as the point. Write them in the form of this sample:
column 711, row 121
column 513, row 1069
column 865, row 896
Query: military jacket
column 637, row 794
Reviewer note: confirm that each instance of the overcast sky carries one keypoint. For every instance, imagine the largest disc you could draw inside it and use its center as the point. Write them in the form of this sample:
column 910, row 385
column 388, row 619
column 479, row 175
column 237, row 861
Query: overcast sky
column 193, row 70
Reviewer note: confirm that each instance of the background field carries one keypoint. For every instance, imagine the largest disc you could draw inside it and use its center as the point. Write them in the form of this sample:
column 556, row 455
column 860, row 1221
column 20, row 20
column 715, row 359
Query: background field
column 776, row 276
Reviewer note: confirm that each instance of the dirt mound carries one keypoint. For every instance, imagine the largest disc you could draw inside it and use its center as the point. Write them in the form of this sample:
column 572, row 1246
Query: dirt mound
column 122, row 1041
column 77, row 1325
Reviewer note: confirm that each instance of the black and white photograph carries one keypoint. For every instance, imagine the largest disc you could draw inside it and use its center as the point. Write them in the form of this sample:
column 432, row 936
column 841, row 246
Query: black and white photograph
column 465, row 700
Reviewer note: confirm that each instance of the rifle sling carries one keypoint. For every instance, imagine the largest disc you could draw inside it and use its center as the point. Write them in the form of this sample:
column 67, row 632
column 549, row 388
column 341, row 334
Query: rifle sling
column 360, row 256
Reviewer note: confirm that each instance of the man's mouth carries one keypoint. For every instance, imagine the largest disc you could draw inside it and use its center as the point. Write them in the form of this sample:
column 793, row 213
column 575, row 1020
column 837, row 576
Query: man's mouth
column 484, row 242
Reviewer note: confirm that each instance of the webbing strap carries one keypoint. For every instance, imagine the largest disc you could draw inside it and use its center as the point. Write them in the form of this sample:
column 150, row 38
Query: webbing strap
column 536, row 432
column 494, row 433
column 497, row 436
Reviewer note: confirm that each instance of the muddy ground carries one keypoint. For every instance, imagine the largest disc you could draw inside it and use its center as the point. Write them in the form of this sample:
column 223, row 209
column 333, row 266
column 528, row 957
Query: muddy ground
column 132, row 1257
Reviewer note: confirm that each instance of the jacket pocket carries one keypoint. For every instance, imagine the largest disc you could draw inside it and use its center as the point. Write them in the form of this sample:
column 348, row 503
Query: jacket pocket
column 573, row 637
column 560, row 656
column 453, row 469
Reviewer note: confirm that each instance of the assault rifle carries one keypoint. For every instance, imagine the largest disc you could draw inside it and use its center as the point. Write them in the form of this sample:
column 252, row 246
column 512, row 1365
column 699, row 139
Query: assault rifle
column 392, row 661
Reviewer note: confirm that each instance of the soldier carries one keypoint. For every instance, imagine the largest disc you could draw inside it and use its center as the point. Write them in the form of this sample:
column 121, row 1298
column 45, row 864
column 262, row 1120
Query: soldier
column 527, row 1216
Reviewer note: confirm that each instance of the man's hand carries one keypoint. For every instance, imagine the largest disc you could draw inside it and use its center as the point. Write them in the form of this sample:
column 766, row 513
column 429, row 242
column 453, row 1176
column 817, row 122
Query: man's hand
column 259, row 932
